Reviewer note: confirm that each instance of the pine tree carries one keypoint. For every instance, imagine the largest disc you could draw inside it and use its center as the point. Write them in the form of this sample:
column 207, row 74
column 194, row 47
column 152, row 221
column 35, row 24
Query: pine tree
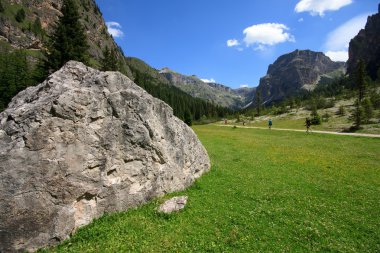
column 315, row 118
column 14, row 75
column 358, row 115
column 367, row 109
column 360, row 80
column 20, row 15
column 109, row 60
column 188, row 118
column 1, row 7
column 375, row 99
column 258, row 102
column 68, row 40
column 37, row 28
column 361, row 87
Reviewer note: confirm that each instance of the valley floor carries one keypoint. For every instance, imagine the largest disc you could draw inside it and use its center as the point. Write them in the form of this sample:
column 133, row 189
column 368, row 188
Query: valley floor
column 311, row 131
column 267, row 191
column 295, row 119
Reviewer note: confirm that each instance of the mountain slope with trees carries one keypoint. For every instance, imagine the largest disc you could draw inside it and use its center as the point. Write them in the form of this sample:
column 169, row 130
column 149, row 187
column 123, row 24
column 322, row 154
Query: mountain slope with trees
column 184, row 105
column 68, row 40
column 27, row 28
column 217, row 93
column 32, row 31
column 75, row 30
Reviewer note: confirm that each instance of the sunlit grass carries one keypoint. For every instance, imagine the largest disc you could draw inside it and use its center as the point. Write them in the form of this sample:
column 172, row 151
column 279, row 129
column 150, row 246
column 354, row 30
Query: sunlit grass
column 267, row 191
column 334, row 124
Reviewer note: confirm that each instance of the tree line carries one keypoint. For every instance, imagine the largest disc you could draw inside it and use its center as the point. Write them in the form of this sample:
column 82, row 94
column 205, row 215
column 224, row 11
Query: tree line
column 15, row 75
column 184, row 106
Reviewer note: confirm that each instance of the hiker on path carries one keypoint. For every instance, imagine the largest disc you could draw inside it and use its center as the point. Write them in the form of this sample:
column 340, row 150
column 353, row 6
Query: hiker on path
column 270, row 123
column 307, row 124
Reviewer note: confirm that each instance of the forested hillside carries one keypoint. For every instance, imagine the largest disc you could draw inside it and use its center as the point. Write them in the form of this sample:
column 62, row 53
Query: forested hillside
column 15, row 75
column 35, row 40
column 184, row 106
column 26, row 29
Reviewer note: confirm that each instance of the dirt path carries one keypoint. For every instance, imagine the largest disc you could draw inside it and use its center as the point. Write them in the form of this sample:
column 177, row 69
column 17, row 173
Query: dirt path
column 313, row 131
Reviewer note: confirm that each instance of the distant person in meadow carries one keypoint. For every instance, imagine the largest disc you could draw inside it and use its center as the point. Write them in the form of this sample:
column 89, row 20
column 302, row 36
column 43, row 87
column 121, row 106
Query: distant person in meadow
column 307, row 124
column 270, row 123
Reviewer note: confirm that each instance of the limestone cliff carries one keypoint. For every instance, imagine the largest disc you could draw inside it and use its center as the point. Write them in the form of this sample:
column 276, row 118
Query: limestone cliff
column 366, row 46
column 290, row 73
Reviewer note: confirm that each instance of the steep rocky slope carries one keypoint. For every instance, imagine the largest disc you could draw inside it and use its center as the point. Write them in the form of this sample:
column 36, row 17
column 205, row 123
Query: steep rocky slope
column 84, row 143
column 296, row 71
column 366, row 46
column 213, row 92
column 26, row 35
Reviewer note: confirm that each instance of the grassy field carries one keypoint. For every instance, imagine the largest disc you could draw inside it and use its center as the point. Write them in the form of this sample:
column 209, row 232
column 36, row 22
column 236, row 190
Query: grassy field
column 267, row 191
column 296, row 120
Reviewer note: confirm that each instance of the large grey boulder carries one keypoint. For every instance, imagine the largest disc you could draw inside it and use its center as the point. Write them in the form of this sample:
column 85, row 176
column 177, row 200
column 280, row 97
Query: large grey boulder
column 83, row 143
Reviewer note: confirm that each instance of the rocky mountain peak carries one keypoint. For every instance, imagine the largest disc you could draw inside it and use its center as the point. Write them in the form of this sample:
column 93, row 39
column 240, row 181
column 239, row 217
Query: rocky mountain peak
column 290, row 73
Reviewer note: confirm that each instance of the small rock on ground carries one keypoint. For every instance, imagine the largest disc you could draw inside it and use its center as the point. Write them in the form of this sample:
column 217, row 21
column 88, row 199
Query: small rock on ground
column 173, row 204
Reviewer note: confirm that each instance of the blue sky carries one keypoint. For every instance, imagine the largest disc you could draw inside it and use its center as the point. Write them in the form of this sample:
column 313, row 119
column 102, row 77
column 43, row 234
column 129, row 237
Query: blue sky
column 232, row 42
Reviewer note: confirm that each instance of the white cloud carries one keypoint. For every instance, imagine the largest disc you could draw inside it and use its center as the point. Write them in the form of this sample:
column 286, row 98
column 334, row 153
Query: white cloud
column 319, row 7
column 267, row 34
column 259, row 48
column 232, row 43
column 341, row 36
column 114, row 29
column 244, row 86
column 337, row 55
column 336, row 45
column 300, row 20
column 212, row 80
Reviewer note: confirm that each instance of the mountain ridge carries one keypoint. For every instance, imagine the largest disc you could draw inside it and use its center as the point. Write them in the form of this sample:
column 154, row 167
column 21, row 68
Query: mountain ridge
column 210, row 91
column 296, row 71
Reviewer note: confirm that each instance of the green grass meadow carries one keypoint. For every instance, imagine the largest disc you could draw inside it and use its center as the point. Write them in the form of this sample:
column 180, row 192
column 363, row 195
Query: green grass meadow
column 267, row 191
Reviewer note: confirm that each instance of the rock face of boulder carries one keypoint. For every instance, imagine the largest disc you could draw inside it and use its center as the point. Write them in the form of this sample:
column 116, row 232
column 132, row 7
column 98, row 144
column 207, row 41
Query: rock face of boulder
column 83, row 143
